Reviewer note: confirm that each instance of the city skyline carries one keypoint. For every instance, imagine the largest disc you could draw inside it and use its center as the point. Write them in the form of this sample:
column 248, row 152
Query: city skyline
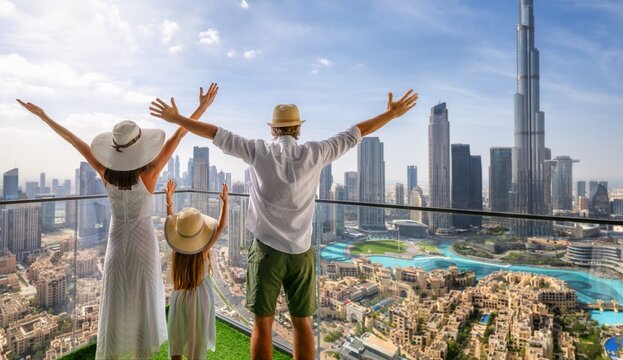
column 472, row 71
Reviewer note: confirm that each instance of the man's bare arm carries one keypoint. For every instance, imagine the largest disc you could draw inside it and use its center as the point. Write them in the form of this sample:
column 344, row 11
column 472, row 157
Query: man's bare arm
column 394, row 110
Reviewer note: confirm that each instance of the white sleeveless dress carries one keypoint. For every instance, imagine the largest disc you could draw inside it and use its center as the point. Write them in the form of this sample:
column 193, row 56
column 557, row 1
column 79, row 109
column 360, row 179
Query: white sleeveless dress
column 132, row 321
column 192, row 326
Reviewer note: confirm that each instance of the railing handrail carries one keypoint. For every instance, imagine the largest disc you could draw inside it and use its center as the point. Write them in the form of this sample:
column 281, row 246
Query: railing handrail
column 483, row 213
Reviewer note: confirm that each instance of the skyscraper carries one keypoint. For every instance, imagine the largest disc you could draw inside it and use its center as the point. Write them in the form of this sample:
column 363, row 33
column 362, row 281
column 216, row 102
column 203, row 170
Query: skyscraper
column 562, row 182
column 466, row 185
column 21, row 230
column 324, row 192
column 439, row 165
column 475, row 188
column 42, row 187
column 337, row 215
column 411, row 178
column 371, row 171
column 200, row 177
column 10, row 189
column 93, row 215
column 352, row 190
column 500, row 175
column 580, row 189
column 400, row 194
column 527, row 195
column 176, row 174
column 235, row 234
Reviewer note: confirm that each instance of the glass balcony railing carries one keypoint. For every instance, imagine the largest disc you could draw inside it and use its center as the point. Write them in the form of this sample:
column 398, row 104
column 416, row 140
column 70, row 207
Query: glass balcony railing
column 387, row 288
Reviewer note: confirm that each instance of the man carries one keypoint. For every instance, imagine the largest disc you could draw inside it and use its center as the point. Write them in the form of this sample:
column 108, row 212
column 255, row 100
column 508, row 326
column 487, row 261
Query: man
column 284, row 179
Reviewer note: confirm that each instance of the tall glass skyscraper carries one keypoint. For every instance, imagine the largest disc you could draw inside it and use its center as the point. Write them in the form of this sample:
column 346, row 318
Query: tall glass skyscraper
column 562, row 182
column 411, row 178
column 439, row 165
column 527, row 195
column 324, row 192
column 466, row 185
column 371, row 170
column 10, row 189
column 500, row 174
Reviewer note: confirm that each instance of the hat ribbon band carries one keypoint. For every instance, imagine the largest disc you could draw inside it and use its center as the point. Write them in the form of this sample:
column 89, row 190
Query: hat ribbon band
column 193, row 235
column 132, row 142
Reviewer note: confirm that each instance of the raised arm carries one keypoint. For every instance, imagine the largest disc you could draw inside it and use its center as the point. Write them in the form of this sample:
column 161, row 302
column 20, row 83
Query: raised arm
column 169, row 191
column 171, row 144
column 222, row 219
column 75, row 141
column 169, row 113
column 394, row 110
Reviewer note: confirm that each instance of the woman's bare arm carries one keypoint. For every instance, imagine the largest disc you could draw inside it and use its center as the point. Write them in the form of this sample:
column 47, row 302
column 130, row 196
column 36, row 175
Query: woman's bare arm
column 70, row 137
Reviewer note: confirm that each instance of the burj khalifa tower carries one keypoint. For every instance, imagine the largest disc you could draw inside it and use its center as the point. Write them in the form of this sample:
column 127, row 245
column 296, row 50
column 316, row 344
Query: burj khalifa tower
column 528, row 184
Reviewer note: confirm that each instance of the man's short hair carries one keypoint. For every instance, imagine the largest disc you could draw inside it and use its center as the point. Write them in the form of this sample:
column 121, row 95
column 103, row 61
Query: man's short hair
column 294, row 131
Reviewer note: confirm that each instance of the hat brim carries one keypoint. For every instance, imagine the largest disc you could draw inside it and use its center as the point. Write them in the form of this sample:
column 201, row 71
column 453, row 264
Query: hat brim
column 286, row 124
column 133, row 157
column 189, row 245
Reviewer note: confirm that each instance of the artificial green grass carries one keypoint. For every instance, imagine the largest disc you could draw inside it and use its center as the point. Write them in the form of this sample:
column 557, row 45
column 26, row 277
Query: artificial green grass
column 230, row 344
column 377, row 247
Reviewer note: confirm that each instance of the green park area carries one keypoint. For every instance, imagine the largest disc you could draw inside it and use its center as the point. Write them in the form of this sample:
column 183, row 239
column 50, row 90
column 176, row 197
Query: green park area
column 431, row 249
column 378, row 247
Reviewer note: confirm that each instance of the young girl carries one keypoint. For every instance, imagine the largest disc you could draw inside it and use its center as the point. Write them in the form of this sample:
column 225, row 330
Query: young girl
column 129, row 159
column 192, row 329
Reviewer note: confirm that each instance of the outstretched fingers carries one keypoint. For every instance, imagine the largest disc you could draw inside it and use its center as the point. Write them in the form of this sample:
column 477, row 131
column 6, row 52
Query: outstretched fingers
column 405, row 95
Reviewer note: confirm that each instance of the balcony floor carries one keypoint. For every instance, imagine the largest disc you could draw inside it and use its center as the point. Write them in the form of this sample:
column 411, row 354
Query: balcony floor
column 231, row 343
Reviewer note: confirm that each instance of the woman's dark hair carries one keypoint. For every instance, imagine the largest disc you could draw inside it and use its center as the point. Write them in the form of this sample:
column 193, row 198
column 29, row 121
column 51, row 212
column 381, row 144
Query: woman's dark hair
column 124, row 179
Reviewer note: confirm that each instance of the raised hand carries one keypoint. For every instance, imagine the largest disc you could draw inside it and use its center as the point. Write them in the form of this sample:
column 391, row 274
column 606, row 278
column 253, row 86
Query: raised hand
column 160, row 109
column 206, row 100
column 170, row 188
column 400, row 107
column 223, row 195
column 32, row 108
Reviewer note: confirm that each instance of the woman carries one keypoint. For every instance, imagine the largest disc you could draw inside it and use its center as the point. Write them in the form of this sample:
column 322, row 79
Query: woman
column 129, row 159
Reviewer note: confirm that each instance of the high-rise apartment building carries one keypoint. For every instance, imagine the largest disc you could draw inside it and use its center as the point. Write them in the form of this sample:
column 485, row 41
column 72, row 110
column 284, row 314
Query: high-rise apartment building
column 200, row 177
column 10, row 187
column 93, row 215
column 562, row 182
column 411, row 178
column 439, row 166
column 371, row 181
column 580, row 189
column 352, row 191
column 324, row 192
column 337, row 214
column 500, row 175
column 466, row 185
column 21, row 230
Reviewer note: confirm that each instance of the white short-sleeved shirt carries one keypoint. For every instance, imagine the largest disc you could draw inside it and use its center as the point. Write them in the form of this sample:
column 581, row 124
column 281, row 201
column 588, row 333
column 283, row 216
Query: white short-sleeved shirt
column 284, row 181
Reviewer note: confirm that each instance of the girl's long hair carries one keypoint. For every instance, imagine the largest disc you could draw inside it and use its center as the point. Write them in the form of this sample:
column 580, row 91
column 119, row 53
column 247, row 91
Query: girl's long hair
column 125, row 179
column 188, row 271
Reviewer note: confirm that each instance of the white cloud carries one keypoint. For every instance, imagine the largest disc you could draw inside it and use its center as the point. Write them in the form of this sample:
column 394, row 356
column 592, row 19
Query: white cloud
column 244, row 4
column 168, row 29
column 324, row 62
column 250, row 54
column 18, row 76
column 209, row 37
column 7, row 9
column 231, row 53
column 320, row 63
column 175, row 49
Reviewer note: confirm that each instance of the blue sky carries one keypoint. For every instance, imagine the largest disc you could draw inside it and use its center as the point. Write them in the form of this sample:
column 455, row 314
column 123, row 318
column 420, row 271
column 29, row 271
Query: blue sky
column 91, row 63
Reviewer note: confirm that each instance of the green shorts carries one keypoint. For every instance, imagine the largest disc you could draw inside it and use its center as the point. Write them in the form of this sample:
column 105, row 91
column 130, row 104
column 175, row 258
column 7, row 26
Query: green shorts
column 269, row 269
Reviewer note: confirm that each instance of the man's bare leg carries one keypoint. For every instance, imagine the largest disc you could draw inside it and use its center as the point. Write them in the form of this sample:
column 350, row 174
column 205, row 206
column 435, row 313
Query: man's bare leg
column 262, row 338
column 303, row 338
